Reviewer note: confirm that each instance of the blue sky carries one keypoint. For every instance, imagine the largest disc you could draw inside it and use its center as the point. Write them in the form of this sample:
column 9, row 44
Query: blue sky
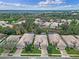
column 39, row 4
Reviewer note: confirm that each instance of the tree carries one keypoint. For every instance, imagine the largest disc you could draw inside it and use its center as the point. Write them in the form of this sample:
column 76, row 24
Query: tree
column 72, row 28
column 9, row 45
column 9, row 31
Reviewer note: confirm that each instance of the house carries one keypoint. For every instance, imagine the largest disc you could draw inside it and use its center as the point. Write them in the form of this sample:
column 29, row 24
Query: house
column 55, row 39
column 15, row 38
column 44, row 43
column 51, row 20
column 26, row 39
column 77, row 45
column 2, row 23
column 20, row 22
column 5, row 24
column 38, row 21
column 63, row 20
column 2, row 37
column 61, row 45
column 69, row 21
column 37, row 41
column 46, row 24
column 54, row 25
column 69, row 40
column 11, row 41
column 41, row 41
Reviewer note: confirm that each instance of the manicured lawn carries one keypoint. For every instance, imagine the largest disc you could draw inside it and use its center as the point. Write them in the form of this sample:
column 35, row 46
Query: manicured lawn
column 31, row 49
column 53, row 50
column 1, row 50
column 72, row 51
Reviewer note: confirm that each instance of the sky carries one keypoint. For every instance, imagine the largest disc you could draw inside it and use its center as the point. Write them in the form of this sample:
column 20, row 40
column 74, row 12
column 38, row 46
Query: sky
column 39, row 4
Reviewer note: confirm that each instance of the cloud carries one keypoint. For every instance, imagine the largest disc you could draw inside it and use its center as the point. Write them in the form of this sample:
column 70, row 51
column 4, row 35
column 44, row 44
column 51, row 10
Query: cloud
column 19, row 6
column 49, row 2
column 15, row 6
column 11, row 4
column 66, row 7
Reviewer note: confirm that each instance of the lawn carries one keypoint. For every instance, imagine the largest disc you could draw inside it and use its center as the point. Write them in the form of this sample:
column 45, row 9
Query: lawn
column 52, row 50
column 1, row 50
column 72, row 51
column 31, row 50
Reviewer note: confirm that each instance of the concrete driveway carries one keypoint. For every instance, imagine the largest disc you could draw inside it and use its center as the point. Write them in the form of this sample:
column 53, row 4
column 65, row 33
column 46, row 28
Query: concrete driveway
column 18, row 52
column 64, row 53
column 44, row 53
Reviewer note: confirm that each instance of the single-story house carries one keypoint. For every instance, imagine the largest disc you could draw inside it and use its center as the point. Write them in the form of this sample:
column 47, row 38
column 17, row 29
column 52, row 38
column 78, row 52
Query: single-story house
column 70, row 40
column 41, row 41
column 26, row 39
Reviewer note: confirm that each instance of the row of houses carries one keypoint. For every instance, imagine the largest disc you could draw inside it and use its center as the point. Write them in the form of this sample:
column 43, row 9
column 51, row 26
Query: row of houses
column 41, row 41
column 56, row 40
column 2, row 36
column 5, row 24
column 52, row 23
column 71, row 41
column 25, row 40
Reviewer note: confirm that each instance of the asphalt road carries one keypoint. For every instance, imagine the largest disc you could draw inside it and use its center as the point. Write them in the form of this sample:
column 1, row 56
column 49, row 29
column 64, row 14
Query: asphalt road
column 35, row 57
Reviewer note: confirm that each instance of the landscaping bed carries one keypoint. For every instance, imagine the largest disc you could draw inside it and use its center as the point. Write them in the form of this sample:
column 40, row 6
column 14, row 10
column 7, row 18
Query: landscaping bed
column 52, row 50
column 13, row 50
column 30, row 49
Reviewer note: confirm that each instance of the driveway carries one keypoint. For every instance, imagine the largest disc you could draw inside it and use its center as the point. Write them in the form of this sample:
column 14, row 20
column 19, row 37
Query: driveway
column 64, row 53
column 18, row 52
column 44, row 53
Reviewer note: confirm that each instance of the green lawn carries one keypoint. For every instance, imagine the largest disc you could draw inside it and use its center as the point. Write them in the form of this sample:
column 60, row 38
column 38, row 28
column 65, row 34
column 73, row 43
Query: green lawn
column 31, row 49
column 1, row 50
column 53, row 50
column 72, row 51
